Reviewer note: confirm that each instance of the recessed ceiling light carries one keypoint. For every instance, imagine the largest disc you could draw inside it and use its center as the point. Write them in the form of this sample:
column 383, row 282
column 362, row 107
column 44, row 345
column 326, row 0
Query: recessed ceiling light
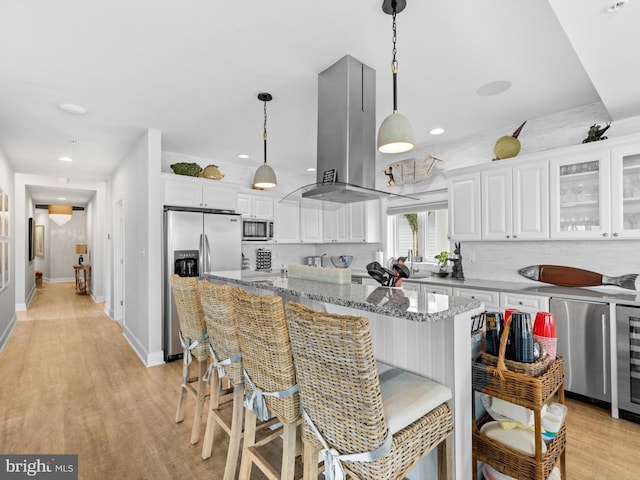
column 311, row 169
column 72, row 109
column 61, row 198
column 243, row 155
column 493, row 88
column 436, row 131
column 63, row 180
column 615, row 7
column 65, row 159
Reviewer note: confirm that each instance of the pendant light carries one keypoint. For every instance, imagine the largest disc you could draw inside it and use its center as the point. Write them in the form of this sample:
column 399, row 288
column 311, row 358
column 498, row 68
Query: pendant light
column 60, row 214
column 395, row 134
column 265, row 177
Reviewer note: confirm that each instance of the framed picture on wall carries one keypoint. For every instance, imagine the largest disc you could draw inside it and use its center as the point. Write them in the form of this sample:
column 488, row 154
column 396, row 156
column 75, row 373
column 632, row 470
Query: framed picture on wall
column 39, row 241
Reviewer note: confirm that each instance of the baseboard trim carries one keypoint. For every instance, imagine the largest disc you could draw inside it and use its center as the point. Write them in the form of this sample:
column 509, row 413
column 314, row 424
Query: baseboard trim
column 148, row 359
column 4, row 338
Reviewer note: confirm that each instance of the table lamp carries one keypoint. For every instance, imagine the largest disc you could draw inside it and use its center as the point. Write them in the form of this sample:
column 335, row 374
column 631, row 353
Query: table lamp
column 81, row 249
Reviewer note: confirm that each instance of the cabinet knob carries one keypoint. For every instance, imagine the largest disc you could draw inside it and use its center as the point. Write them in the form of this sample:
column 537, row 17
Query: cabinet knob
column 519, row 303
column 605, row 234
column 615, row 234
column 515, row 236
column 508, row 236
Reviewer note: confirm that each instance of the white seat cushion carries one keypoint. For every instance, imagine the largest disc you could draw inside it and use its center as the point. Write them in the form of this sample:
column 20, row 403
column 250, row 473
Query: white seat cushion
column 406, row 397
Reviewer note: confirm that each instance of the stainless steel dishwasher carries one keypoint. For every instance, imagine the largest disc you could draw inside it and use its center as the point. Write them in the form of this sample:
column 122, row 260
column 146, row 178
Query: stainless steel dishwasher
column 583, row 329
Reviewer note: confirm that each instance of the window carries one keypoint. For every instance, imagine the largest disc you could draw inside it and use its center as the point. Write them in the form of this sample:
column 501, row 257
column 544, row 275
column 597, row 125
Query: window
column 423, row 232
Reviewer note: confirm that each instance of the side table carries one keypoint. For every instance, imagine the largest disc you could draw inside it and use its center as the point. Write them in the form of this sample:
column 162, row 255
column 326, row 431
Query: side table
column 83, row 284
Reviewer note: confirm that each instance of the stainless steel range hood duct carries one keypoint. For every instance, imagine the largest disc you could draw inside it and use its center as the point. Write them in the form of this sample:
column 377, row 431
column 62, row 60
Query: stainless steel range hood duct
column 346, row 160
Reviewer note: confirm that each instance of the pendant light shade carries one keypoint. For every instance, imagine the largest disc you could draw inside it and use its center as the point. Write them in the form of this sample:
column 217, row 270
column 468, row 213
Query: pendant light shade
column 396, row 133
column 265, row 177
column 60, row 214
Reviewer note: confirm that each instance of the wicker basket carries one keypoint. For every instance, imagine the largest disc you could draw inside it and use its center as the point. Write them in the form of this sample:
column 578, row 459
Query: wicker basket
column 532, row 369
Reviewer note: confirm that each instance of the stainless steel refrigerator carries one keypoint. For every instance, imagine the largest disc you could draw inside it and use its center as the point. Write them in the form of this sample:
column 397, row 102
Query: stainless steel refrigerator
column 195, row 242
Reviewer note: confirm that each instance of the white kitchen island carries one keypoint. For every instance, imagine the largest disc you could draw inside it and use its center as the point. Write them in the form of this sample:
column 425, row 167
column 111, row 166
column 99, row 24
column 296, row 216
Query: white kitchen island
column 427, row 334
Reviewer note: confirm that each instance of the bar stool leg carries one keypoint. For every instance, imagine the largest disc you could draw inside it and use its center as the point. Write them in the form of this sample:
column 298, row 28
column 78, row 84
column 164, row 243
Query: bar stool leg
column 250, row 420
column 310, row 462
column 183, row 398
column 212, row 424
column 444, row 459
column 289, row 451
column 236, row 433
column 197, row 417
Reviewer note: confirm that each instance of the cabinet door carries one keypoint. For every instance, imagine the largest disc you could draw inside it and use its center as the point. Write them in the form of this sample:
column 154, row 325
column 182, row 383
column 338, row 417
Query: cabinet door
column 243, row 205
column 496, row 204
column 342, row 223
column 262, row 207
column 329, row 223
column 287, row 222
column 220, row 197
column 410, row 286
column 464, row 207
column 526, row 303
column 311, row 224
column 358, row 222
column 182, row 193
column 579, row 195
column 530, row 196
column 625, row 192
column 490, row 299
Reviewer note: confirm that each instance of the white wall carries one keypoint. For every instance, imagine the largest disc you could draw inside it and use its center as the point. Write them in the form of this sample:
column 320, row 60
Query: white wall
column 137, row 185
column 502, row 260
column 7, row 294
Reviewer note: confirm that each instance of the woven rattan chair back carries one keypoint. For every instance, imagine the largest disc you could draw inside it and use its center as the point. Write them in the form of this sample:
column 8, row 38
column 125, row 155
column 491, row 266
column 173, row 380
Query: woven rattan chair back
column 266, row 352
column 190, row 316
column 217, row 307
column 338, row 379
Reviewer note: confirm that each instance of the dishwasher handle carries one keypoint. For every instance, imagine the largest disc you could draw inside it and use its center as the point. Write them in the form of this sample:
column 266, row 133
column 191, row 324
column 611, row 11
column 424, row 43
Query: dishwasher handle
column 603, row 319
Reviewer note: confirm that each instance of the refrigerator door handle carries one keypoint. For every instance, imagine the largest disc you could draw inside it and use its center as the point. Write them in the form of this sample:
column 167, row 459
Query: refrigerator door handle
column 604, row 353
column 208, row 253
column 201, row 256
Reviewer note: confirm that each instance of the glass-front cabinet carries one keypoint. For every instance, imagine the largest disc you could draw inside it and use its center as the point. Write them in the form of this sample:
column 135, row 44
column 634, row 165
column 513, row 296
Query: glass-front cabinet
column 580, row 195
column 625, row 192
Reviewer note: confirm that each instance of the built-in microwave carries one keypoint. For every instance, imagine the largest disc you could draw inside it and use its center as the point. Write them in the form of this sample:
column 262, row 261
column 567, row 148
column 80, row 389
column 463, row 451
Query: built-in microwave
column 256, row 229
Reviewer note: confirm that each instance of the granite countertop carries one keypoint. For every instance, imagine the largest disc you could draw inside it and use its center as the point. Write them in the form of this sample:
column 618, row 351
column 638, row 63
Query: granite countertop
column 607, row 294
column 395, row 302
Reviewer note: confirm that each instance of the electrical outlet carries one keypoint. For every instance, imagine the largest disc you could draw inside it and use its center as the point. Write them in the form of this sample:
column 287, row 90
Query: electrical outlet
column 472, row 257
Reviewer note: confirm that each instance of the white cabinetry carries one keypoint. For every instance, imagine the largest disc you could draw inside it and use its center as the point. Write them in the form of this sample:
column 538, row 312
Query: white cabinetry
column 353, row 222
column 287, row 222
column 411, row 286
column 625, row 192
column 255, row 206
column 440, row 289
column 464, row 207
column 311, row 225
column 523, row 302
column 198, row 193
column 515, row 202
column 490, row 298
column 580, row 195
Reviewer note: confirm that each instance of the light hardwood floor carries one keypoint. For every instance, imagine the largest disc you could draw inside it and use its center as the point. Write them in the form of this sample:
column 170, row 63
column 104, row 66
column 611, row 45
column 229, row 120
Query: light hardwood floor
column 70, row 383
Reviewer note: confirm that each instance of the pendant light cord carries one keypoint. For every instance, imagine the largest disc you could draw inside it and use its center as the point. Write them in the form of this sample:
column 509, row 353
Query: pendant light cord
column 264, row 135
column 394, row 62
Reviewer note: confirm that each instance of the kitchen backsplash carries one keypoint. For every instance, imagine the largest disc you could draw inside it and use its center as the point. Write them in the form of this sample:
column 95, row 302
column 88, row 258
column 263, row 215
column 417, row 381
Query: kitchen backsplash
column 363, row 253
column 502, row 260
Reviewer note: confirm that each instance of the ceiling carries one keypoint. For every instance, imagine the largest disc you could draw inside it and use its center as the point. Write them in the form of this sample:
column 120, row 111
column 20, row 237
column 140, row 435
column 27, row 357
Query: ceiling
column 193, row 70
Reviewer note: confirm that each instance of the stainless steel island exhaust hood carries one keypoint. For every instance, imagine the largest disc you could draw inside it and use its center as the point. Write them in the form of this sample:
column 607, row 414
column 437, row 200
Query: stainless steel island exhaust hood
column 346, row 159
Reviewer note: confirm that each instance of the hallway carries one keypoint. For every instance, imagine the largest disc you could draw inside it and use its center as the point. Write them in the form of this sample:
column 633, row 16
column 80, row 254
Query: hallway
column 71, row 384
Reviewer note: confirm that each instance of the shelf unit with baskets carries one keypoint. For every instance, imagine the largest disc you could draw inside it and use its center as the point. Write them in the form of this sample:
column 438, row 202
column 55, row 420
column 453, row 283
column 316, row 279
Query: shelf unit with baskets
column 530, row 386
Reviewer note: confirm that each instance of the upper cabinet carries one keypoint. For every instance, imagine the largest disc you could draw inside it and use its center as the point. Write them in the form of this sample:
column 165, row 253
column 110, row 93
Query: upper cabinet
column 515, row 202
column 181, row 191
column 625, row 192
column 352, row 222
column 580, row 195
column 256, row 205
column 286, row 222
column 464, row 206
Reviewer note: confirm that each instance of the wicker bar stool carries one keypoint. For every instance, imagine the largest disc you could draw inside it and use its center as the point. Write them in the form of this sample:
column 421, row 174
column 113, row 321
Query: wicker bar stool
column 270, row 380
column 366, row 420
column 193, row 336
column 226, row 362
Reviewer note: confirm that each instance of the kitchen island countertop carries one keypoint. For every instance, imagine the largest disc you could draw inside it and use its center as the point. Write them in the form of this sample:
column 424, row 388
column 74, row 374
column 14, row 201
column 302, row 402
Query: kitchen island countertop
column 395, row 302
